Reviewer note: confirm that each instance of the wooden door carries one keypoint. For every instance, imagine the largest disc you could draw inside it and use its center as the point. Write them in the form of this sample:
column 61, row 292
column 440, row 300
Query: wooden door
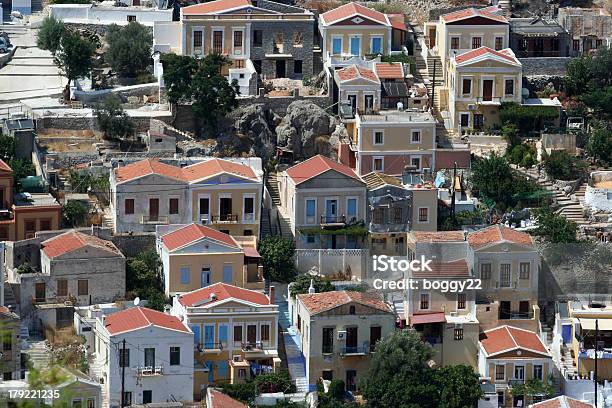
column 487, row 90
column 153, row 209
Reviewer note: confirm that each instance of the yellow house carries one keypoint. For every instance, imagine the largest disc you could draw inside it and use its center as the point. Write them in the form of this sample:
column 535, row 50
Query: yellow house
column 479, row 81
column 195, row 256
column 235, row 333
column 509, row 356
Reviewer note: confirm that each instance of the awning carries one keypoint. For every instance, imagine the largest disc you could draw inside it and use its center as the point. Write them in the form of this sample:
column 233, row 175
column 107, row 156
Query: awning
column 251, row 252
column 395, row 89
column 589, row 324
column 437, row 317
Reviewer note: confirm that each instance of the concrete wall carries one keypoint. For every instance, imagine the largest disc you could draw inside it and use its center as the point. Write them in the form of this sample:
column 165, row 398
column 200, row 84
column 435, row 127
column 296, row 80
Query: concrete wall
column 91, row 14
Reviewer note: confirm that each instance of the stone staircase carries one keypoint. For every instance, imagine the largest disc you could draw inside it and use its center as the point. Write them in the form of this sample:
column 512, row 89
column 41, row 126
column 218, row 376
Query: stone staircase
column 279, row 223
column 265, row 227
column 39, row 353
column 95, row 372
column 295, row 360
column 108, row 219
column 439, row 81
column 272, row 186
column 9, row 298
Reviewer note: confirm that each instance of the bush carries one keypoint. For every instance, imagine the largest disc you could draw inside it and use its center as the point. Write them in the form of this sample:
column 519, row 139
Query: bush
column 278, row 258
column 561, row 165
column 112, row 119
column 75, row 212
column 599, row 145
column 523, row 155
column 245, row 392
column 275, row 382
column 50, row 34
column 129, row 48
column 526, row 118
column 302, row 283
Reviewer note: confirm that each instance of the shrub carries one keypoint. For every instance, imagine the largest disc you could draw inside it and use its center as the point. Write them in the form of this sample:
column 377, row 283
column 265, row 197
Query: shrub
column 561, row 165
column 278, row 258
column 526, row 118
column 275, row 382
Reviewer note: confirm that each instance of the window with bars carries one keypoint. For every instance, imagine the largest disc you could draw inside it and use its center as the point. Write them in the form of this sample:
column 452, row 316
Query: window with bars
column 423, row 214
column 424, row 303
column 197, row 39
column 485, row 271
column 454, row 43
column 504, row 275
column 524, row 269
column 476, row 42
column 499, row 43
column 458, row 334
column 237, row 38
column 461, row 300
column 500, row 372
column 396, row 215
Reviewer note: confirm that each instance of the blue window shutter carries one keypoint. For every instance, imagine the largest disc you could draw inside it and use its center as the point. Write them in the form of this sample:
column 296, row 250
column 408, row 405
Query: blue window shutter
column 185, row 275
column 227, row 274
column 222, row 370
column 310, row 208
column 355, row 45
column 196, row 332
column 209, row 336
column 337, row 46
column 352, row 207
column 222, row 334
column 376, row 45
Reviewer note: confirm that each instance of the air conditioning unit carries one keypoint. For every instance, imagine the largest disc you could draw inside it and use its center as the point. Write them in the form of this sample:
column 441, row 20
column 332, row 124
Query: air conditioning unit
column 453, row 314
column 237, row 358
column 471, row 106
column 205, row 220
column 341, row 334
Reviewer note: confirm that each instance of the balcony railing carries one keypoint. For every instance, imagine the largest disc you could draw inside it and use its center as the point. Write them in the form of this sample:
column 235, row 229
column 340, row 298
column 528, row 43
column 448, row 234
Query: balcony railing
column 515, row 315
column 355, row 350
column 333, row 219
column 154, row 219
column 209, row 346
column 515, row 382
column 224, row 218
column 150, row 370
column 493, row 100
column 252, row 346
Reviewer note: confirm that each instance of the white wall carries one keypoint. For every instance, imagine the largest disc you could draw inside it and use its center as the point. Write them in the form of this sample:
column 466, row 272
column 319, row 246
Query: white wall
column 90, row 14
column 166, row 36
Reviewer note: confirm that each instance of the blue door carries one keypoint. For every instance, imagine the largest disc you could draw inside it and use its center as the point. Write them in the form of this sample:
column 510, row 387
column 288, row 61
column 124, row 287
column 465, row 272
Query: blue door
column 211, row 374
column 223, row 336
column 337, row 46
column 196, row 333
column 206, row 276
column 355, row 45
column 209, row 337
column 331, row 210
column 376, row 45
column 222, row 371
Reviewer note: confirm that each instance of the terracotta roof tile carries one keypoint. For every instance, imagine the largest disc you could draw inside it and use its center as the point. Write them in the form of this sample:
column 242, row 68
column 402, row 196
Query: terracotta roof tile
column 451, row 269
column 562, row 401
column 217, row 6
column 73, row 240
column 212, row 167
column 439, row 236
column 478, row 52
column 145, row 167
column 320, row 302
column 140, row 317
column 354, row 72
column 469, row 13
column 194, row 232
column 221, row 400
column 223, row 291
column 5, row 167
column 376, row 180
column 351, row 9
column 507, row 338
column 498, row 233
column 390, row 70
column 316, row 166
column 397, row 21
column 422, row 318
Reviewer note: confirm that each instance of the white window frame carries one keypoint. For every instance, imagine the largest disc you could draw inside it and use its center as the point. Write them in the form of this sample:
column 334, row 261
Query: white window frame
column 337, row 37
column 513, row 94
column 450, row 43
column 523, row 371
column 418, row 215
column 503, row 42
column 481, row 36
column 209, row 205
column 487, row 78
column 203, row 46
column 241, row 49
column 412, row 132
column 382, row 132
column 500, row 274
column 382, row 43
column 212, row 38
column 246, row 219
column 222, row 195
column 495, row 372
column 541, row 371
column 471, row 78
column 382, row 161
column 314, row 217
column 428, row 300
column 457, row 302
column 412, row 158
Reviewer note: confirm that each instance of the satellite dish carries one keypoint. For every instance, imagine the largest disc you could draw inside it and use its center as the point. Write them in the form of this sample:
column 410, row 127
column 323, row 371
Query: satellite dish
column 136, row 301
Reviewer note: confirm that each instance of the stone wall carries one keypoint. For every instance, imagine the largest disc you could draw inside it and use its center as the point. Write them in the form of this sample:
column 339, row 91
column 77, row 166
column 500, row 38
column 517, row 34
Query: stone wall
column 546, row 66
column 89, row 122
column 132, row 245
column 123, row 92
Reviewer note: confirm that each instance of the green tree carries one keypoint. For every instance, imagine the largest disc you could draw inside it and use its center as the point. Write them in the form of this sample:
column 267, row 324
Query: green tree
column 277, row 255
column 7, row 148
column 561, row 165
column 526, row 118
column 555, row 228
column 399, row 374
column 302, row 283
column 22, row 168
column 75, row 212
column 578, row 77
column 50, row 34
column 112, row 119
column 458, row 387
column 73, row 57
column 599, row 144
column 143, row 279
column 275, row 382
column 533, row 387
column 245, row 392
column 178, row 73
column 129, row 48
column 493, row 177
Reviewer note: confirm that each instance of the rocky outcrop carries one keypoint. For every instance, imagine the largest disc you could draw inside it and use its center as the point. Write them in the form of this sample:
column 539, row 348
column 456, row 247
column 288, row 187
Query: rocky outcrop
column 253, row 125
column 308, row 130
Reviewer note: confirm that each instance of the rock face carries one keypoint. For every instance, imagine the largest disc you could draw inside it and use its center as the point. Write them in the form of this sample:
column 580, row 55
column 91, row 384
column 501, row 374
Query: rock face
column 254, row 123
column 307, row 130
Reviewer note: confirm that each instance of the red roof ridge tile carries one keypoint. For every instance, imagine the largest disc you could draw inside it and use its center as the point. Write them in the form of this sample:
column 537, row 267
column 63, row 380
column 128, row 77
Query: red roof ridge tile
column 138, row 317
column 317, row 165
column 193, row 232
column 223, row 291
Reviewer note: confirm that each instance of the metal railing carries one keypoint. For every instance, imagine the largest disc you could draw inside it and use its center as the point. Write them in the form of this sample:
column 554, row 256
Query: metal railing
column 225, row 218
column 252, row 346
column 333, row 219
column 481, row 100
column 154, row 219
column 150, row 370
column 515, row 382
column 515, row 315
column 210, row 345
column 355, row 350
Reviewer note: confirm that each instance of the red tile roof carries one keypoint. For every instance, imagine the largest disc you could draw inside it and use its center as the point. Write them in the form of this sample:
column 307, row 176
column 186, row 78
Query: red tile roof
column 316, row 166
column 440, row 236
column 194, row 232
column 5, row 167
column 217, row 6
column 351, row 9
column 320, row 302
column 478, row 52
column 562, row 401
column 212, row 167
column 397, row 21
column 221, row 400
column 436, row 317
column 390, row 70
column 136, row 318
column 223, row 291
column 451, row 269
column 4, row 309
column 354, row 72
column 507, row 338
column 73, row 240
column 498, row 233
column 145, row 167
column 471, row 12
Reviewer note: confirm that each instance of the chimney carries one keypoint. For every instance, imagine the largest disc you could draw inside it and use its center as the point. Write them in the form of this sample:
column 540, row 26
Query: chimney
column 271, row 294
column 311, row 289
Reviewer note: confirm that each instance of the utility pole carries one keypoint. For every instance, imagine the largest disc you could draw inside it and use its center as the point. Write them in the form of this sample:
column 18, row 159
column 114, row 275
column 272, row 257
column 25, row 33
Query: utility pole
column 453, row 193
column 122, row 359
column 596, row 341
column 433, row 85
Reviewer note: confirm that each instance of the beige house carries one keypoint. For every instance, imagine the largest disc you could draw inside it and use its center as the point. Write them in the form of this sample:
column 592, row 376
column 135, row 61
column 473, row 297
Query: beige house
column 360, row 87
column 508, row 265
column 221, row 193
column 320, row 193
column 10, row 354
column 338, row 332
column 479, row 82
column 195, row 256
column 353, row 30
column 509, row 356
column 235, row 333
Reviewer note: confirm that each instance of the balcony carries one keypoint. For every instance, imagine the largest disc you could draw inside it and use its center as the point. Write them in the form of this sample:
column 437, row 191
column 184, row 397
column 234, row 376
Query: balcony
column 224, row 219
column 489, row 100
column 58, row 300
column 355, row 350
column 515, row 382
column 513, row 315
column 148, row 371
column 333, row 220
column 250, row 346
column 210, row 347
column 154, row 219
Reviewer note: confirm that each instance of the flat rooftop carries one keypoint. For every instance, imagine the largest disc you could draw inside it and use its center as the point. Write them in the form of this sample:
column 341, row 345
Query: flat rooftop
column 399, row 117
column 32, row 199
